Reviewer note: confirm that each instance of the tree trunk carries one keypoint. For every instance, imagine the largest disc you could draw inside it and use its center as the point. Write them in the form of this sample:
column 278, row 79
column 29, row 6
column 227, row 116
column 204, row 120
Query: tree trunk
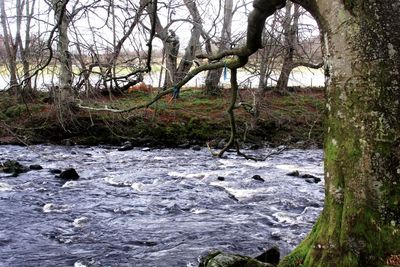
column 171, row 47
column 65, row 76
column 11, row 51
column 213, row 76
column 290, row 35
column 359, row 225
column 194, row 44
column 267, row 64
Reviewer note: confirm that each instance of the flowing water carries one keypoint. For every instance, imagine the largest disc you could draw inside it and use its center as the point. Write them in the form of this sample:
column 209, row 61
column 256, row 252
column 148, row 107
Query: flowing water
column 152, row 208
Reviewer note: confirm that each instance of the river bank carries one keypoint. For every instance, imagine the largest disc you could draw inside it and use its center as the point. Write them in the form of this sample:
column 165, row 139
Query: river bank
column 293, row 119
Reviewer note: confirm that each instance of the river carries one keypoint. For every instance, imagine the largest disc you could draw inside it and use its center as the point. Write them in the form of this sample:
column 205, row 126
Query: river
column 158, row 207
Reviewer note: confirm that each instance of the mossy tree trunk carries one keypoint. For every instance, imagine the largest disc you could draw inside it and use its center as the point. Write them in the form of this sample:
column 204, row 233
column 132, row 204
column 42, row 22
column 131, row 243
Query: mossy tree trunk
column 360, row 223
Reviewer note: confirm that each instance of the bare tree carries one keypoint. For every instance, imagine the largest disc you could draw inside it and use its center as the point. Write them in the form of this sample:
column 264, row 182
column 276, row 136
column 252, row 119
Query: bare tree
column 292, row 48
column 11, row 48
column 213, row 76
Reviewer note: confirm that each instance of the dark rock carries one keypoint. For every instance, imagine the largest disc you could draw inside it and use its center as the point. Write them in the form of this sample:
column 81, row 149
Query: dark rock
column 35, row 167
column 220, row 259
column 55, row 171
column 69, row 174
column 317, row 180
column 258, row 178
column 307, row 176
column 14, row 167
column 272, row 256
column 220, row 178
column 294, row 173
column 184, row 145
column 233, row 197
column 126, row 147
column 314, row 180
column 196, row 148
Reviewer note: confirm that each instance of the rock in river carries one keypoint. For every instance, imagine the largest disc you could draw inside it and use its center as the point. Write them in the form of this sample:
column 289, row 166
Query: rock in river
column 69, row 174
column 35, row 167
column 14, row 167
column 258, row 178
column 294, row 173
column 219, row 259
column 55, row 171
column 127, row 146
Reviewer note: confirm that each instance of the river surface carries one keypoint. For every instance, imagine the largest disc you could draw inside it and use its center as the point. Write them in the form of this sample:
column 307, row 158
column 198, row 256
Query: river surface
column 152, row 208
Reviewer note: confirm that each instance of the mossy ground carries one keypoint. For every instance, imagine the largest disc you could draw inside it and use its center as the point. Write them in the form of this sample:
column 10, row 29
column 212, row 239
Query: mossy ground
column 194, row 118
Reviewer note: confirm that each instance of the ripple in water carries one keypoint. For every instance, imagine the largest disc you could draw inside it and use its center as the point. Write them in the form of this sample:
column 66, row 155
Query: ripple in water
column 152, row 208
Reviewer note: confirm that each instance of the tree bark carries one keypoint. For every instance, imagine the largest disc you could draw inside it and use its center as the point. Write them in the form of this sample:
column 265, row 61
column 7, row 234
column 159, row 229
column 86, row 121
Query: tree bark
column 290, row 34
column 11, row 52
column 360, row 222
column 194, row 44
column 65, row 75
column 359, row 225
column 214, row 76
column 267, row 64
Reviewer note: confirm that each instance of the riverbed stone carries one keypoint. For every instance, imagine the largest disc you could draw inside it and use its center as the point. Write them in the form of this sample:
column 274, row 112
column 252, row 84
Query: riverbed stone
column 258, row 178
column 14, row 167
column 55, row 171
column 69, row 174
column 35, row 167
column 293, row 173
column 196, row 148
column 306, row 175
column 126, row 147
column 219, row 259
column 221, row 178
column 314, row 180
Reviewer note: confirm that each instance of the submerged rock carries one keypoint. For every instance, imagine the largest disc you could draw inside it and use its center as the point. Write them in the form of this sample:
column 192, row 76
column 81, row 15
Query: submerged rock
column 127, row 146
column 309, row 178
column 196, row 148
column 14, row 167
column 294, row 173
column 219, row 259
column 35, row 167
column 55, row 171
column 184, row 145
column 69, row 174
column 313, row 180
column 258, row 178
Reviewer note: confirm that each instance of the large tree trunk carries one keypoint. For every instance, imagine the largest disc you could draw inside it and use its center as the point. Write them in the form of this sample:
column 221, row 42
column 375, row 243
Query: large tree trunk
column 359, row 225
column 11, row 52
column 290, row 34
column 267, row 64
column 194, row 44
column 213, row 76
column 65, row 76
column 171, row 47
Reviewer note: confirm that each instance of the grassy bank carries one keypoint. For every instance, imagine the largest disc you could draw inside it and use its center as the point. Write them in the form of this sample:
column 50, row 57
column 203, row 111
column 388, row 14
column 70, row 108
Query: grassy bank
column 291, row 119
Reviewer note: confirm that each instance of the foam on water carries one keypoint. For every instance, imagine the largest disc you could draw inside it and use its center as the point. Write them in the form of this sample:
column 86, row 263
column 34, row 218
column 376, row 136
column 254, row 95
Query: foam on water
column 153, row 208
